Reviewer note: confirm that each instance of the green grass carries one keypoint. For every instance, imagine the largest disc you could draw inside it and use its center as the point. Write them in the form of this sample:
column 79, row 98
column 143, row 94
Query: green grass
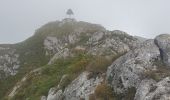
column 50, row 76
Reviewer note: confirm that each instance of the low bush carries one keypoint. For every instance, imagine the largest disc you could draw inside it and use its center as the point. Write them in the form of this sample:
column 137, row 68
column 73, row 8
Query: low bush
column 103, row 92
column 65, row 81
column 98, row 65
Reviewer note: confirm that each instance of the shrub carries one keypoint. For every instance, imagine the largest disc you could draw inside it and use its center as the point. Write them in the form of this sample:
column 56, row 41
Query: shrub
column 79, row 64
column 98, row 65
column 65, row 81
column 159, row 73
column 91, row 97
column 103, row 92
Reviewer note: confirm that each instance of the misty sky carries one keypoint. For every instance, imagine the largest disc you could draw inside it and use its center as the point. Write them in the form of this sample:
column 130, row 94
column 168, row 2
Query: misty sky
column 148, row 18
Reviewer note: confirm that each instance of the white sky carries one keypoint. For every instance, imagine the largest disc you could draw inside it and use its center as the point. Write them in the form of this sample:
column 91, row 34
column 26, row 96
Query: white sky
column 147, row 18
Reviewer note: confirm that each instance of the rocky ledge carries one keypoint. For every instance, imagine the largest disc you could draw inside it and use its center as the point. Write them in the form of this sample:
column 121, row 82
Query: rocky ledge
column 145, row 68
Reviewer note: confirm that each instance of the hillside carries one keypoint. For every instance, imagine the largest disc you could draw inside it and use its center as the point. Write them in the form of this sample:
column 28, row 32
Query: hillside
column 76, row 60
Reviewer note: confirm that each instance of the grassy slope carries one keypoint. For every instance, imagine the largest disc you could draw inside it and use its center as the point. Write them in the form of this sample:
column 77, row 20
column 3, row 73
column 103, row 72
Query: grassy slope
column 39, row 85
column 31, row 56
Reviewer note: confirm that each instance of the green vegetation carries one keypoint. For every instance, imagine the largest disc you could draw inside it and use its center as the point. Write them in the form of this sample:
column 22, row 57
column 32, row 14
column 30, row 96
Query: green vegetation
column 32, row 56
column 103, row 92
column 50, row 76
column 161, row 71
column 32, row 53
column 99, row 64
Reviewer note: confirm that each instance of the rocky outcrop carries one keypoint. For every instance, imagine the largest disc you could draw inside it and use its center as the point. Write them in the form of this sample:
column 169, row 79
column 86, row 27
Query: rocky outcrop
column 142, row 68
column 54, row 94
column 61, row 54
column 91, row 37
column 163, row 42
column 97, row 43
column 9, row 62
column 129, row 70
column 80, row 88
column 152, row 90
column 43, row 98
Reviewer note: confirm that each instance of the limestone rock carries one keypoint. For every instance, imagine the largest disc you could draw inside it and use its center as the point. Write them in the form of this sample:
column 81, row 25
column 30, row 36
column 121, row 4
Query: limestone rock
column 52, row 45
column 81, row 87
column 61, row 54
column 110, row 43
column 97, row 43
column 163, row 42
column 43, row 98
column 151, row 90
column 9, row 62
column 144, row 88
column 129, row 70
column 54, row 94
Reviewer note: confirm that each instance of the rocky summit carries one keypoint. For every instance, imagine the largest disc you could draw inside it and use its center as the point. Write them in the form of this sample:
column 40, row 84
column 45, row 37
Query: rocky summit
column 76, row 60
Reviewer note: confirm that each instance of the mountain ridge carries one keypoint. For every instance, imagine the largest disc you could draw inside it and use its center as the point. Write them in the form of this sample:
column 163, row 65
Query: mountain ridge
column 68, row 53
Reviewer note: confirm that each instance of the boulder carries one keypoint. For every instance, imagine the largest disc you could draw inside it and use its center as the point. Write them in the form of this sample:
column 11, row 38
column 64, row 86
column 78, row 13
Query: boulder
column 163, row 42
column 130, row 69
column 152, row 90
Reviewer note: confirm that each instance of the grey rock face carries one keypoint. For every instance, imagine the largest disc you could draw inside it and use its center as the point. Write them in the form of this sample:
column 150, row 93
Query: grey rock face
column 81, row 87
column 129, row 70
column 54, row 94
column 151, row 90
column 55, row 45
column 52, row 45
column 109, row 43
column 134, row 70
column 61, row 54
column 163, row 42
column 144, row 88
column 97, row 43
column 43, row 98
column 9, row 62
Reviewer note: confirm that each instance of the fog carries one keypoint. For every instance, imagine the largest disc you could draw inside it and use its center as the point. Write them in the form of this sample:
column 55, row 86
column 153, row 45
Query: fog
column 147, row 18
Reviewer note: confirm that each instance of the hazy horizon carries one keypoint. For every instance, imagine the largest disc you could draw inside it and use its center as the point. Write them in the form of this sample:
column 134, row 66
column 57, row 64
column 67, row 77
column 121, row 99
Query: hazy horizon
column 147, row 18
